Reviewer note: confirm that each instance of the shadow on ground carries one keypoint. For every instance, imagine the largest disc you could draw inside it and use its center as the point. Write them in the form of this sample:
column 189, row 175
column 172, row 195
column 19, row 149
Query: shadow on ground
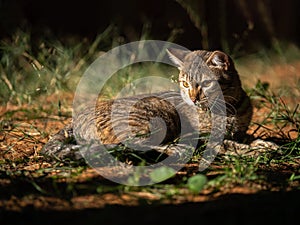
column 260, row 208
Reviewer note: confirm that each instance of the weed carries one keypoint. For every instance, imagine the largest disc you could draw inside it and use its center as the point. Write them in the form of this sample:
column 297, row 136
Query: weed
column 278, row 114
column 42, row 66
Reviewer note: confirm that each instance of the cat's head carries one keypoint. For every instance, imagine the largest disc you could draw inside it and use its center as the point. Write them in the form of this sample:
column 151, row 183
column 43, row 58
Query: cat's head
column 203, row 72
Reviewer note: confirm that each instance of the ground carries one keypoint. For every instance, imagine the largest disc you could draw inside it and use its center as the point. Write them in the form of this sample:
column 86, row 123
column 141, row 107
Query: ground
column 240, row 190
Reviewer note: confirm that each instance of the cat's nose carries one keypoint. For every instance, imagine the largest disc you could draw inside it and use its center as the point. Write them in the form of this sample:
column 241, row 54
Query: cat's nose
column 194, row 95
column 195, row 98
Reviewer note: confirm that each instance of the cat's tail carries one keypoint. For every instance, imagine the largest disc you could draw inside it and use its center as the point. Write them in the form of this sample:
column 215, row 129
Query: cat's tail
column 63, row 145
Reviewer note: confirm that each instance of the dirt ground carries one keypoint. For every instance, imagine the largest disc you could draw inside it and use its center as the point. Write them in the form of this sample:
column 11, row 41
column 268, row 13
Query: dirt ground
column 26, row 128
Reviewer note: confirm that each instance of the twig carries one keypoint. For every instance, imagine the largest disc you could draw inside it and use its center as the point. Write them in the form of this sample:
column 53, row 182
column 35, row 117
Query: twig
column 7, row 82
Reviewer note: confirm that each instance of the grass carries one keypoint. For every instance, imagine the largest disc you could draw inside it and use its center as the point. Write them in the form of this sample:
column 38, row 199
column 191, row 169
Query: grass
column 33, row 71
column 44, row 66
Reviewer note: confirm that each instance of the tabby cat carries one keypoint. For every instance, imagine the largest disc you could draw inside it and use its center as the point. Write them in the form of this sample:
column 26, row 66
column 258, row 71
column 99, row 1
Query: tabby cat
column 156, row 120
column 222, row 73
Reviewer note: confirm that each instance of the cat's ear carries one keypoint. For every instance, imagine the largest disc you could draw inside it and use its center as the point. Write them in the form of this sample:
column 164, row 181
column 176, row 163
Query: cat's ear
column 220, row 60
column 177, row 56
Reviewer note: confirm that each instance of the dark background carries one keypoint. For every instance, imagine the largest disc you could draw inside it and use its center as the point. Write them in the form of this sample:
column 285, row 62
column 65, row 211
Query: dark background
column 240, row 25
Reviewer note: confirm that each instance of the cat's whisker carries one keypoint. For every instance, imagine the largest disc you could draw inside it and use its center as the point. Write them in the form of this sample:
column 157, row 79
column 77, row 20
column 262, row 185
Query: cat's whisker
column 231, row 97
column 229, row 107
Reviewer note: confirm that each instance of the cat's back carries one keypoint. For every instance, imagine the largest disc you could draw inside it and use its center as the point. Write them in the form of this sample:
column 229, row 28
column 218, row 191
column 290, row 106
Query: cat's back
column 159, row 115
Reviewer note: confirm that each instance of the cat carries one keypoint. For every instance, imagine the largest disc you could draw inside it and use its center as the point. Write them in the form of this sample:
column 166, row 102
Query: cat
column 154, row 119
column 193, row 85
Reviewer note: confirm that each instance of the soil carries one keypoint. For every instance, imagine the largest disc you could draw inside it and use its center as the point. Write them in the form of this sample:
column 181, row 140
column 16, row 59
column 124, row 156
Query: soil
column 26, row 128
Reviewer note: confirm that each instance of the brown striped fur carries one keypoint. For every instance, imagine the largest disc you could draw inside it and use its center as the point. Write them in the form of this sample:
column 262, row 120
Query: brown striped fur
column 143, row 109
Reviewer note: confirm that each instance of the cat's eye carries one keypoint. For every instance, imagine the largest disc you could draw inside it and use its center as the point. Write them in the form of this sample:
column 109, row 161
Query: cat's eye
column 185, row 84
column 206, row 83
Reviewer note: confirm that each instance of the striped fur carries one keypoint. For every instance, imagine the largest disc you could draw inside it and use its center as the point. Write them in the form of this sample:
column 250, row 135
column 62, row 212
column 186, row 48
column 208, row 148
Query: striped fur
column 195, row 81
column 124, row 119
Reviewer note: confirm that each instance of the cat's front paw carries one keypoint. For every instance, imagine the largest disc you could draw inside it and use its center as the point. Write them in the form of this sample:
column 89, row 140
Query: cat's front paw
column 263, row 145
column 231, row 146
column 255, row 148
